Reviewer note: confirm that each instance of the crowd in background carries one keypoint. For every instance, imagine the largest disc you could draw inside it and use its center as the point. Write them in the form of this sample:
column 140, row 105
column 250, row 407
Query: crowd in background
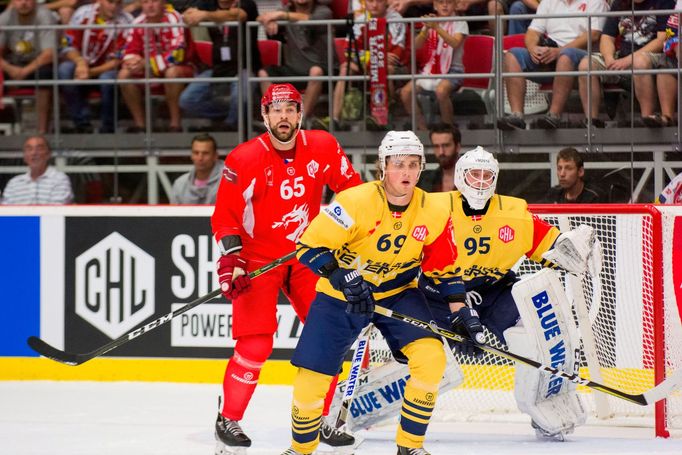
column 619, row 43
column 106, row 56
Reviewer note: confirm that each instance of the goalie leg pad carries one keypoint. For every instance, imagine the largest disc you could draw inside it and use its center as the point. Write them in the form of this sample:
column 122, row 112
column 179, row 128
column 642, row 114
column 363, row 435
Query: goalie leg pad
column 548, row 335
column 380, row 391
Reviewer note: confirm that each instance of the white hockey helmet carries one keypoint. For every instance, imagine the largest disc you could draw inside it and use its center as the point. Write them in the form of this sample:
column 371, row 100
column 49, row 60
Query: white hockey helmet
column 477, row 187
column 399, row 143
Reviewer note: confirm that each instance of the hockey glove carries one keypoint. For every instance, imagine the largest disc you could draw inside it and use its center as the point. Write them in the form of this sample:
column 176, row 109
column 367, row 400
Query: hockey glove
column 355, row 289
column 232, row 275
column 465, row 322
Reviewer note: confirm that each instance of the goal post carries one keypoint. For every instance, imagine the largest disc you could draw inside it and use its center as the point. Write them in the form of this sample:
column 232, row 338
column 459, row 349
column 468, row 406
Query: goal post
column 631, row 329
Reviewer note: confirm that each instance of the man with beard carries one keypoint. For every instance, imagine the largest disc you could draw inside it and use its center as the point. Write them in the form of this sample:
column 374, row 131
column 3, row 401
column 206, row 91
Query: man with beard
column 447, row 142
column 271, row 188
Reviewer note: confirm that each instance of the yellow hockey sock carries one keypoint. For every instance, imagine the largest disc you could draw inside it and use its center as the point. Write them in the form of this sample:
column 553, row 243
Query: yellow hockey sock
column 310, row 389
column 426, row 361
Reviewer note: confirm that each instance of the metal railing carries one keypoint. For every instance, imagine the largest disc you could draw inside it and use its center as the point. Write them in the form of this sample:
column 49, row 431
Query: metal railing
column 151, row 146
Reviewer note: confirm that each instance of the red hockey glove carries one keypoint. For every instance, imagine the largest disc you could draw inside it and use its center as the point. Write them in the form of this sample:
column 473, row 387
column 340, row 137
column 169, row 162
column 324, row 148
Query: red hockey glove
column 232, row 275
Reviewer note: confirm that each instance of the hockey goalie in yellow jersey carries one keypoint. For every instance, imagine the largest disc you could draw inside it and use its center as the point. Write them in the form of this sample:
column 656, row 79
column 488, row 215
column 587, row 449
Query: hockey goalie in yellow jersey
column 533, row 317
column 369, row 246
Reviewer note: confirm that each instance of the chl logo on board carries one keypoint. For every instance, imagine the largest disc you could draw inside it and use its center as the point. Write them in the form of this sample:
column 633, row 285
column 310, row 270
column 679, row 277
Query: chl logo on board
column 115, row 285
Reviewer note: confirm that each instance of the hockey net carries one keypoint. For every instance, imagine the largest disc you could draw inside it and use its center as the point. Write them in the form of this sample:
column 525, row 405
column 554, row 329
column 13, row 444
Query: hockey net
column 631, row 332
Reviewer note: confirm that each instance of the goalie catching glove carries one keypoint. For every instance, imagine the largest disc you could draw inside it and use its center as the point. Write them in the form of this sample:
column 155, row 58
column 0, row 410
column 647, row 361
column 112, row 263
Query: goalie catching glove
column 465, row 322
column 576, row 251
column 232, row 275
column 355, row 289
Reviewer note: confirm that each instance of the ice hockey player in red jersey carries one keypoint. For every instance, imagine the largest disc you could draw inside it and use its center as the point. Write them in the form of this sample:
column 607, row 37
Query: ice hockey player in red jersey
column 271, row 189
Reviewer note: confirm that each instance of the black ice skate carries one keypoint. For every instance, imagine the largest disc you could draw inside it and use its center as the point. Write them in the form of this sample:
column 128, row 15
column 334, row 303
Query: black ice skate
column 334, row 437
column 291, row 451
column 230, row 438
column 408, row 451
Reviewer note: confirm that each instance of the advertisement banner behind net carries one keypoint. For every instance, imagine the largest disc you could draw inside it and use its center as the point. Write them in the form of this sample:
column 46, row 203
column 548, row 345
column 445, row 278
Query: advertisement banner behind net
column 122, row 272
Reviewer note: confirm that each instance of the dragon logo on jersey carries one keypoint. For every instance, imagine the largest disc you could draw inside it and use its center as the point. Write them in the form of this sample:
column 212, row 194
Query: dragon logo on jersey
column 298, row 215
column 346, row 168
column 506, row 234
column 312, row 167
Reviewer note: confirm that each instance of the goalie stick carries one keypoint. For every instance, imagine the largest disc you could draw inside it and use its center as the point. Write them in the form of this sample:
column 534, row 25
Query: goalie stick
column 70, row 358
column 361, row 351
column 649, row 397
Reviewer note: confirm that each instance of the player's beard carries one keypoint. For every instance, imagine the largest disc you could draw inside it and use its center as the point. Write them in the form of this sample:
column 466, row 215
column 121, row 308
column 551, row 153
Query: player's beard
column 284, row 136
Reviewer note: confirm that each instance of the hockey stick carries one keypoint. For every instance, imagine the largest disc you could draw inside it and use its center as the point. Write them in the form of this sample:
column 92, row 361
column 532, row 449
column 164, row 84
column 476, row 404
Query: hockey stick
column 649, row 397
column 70, row 358
column 361, row 351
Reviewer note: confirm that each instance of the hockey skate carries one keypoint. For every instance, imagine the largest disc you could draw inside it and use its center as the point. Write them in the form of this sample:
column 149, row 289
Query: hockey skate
column 291, row 451
column 230, row 438
column 334, row 437
column 544, row 435
column 408, row 451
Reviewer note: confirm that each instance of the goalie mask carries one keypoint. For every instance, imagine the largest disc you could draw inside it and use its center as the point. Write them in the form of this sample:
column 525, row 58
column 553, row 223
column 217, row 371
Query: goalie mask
column 476, row 176
column 400, row 144
column 276, row 94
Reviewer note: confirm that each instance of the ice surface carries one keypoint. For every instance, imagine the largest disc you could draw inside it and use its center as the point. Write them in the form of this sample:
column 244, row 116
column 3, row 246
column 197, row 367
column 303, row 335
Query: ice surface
column 125, row 418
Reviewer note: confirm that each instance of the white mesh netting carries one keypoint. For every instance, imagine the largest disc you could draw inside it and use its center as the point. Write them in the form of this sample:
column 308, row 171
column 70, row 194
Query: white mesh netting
column 615, row 312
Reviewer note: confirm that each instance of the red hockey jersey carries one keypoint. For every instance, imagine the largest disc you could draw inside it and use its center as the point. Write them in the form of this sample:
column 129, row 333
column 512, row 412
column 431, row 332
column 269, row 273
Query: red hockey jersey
column 97, row 45
column 167, row 45
column 269, row 202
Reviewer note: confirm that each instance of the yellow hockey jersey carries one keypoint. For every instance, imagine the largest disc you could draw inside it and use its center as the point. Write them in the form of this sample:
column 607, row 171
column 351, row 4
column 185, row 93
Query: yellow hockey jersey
column 490, row 244
column 387, row 248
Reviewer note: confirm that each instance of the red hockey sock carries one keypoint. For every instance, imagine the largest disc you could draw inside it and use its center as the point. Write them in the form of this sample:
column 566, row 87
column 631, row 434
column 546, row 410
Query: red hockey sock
column 330, row 396
column 242, row 372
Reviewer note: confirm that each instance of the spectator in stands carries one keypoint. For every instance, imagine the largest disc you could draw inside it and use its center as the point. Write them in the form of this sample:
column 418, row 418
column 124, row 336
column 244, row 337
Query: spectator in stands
column 93, row 54
column 556, row 43
column 411, row 8
column 483, row 8
column 27, row 54
column 42, row 184
column 666, row 83
column 305, row 46
column 570, row 169
column 63, row 8
column 443, row 41
column 200, row 185
column 396, row 58
column 171, row 55
column 627, row 42
column 206, row 99
column 518, row 26
column 446, row 141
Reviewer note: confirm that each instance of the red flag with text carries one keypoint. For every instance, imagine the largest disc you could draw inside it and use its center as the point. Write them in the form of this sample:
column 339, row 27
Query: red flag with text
column 378, row 74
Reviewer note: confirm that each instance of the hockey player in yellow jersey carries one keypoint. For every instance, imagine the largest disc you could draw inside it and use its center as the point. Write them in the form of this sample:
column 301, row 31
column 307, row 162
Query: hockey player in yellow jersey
column 492, row 233
column 369, row 246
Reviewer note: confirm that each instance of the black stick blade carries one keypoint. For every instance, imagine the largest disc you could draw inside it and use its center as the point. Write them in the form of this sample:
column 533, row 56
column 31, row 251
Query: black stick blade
column 53, row 353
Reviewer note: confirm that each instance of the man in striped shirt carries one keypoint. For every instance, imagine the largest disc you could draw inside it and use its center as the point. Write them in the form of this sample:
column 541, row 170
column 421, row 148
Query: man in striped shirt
column 42, row 184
